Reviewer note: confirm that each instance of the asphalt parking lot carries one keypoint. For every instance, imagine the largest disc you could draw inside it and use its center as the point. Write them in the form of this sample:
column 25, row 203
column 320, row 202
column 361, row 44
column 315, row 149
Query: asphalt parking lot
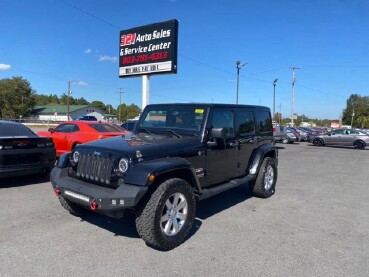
column 317, row 224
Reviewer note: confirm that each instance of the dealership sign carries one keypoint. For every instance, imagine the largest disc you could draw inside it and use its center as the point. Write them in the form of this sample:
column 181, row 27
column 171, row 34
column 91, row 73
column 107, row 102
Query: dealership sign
column 150, row 49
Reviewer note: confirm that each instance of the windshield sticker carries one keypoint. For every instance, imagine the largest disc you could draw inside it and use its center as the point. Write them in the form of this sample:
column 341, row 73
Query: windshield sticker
column 199, row 111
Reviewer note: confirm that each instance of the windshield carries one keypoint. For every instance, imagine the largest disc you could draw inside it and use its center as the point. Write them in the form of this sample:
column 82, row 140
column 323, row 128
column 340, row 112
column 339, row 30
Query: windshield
column 105, row 128
column 15, row 130
column 184, row 119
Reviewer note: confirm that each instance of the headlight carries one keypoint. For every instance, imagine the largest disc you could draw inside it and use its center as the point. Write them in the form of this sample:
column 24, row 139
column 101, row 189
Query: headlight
column 75, row 156
column 123, row 165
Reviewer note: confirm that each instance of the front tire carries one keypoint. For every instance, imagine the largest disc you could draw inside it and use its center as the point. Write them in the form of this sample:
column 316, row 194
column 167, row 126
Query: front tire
column 266, row 180
column 164, row 220
column 72, row 208
column 318, row 142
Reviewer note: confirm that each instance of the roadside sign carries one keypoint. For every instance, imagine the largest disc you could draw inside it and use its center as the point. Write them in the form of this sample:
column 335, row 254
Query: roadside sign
column 150, row 49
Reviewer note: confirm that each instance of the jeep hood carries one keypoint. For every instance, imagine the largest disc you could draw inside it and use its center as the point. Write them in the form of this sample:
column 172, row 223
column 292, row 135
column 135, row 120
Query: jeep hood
column 150, row 147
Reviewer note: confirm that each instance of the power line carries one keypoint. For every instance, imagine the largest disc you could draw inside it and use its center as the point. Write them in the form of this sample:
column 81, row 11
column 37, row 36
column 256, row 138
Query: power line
column 90, row 14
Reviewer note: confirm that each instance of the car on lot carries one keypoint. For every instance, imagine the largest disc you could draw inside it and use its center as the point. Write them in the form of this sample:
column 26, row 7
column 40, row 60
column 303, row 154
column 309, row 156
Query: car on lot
column 342, row 137
column 69, row 134
column 22, row 152
column 284, row 134
column 87, row 118
column 177, row 154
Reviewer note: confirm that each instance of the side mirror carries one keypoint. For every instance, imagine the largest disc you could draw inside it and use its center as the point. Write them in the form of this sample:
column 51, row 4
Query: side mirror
column 217, row 134
column 51, row 130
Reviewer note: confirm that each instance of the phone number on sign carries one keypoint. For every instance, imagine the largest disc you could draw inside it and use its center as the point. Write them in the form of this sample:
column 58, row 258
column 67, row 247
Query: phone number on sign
column 145, row 57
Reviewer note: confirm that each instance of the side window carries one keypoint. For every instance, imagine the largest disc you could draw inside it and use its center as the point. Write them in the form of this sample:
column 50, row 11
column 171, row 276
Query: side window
column 338, row 132
column 245, row 122
column 223, row 119
column 264, row 121
column 67, row 128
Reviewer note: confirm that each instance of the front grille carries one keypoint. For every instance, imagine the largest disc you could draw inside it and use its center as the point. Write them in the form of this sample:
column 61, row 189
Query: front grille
column 94, row 168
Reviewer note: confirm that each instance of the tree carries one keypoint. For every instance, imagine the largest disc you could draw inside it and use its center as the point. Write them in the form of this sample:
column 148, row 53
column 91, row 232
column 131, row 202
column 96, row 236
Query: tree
column 17, row 98
column 128, row 112
column 363, row 121
column 99, row 104
column 356, row 107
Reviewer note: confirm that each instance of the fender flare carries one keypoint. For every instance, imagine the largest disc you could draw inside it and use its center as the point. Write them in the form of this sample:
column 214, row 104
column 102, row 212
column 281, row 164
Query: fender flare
column 266, row 150
column 139, row 173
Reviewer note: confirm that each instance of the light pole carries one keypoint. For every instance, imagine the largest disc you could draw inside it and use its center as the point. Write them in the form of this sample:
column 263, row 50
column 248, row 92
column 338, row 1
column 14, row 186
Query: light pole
column 293, row 92
column 120, row 103
column 238, row 66
column 274, row 84
column 352, row 117
column 68, row 95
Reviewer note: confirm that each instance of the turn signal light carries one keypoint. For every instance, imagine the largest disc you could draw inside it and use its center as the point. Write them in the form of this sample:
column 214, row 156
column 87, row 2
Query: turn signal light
column 93, row 206
column 57, row 192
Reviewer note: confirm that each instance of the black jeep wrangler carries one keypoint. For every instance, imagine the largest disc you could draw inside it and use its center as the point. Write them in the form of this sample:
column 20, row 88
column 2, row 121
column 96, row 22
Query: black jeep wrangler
column 176, row 155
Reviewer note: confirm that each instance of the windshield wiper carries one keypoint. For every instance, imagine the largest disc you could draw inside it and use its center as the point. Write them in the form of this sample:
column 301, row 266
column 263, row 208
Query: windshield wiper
column 145, row 130
column 174, row 133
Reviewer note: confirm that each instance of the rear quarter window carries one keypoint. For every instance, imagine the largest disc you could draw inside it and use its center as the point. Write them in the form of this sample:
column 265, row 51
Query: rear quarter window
column 264, row 122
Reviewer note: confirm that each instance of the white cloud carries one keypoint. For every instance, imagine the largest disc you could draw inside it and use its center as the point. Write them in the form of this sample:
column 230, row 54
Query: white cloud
column 5, row 66
column 107, row 58
column 87, row 51
column 82, row 83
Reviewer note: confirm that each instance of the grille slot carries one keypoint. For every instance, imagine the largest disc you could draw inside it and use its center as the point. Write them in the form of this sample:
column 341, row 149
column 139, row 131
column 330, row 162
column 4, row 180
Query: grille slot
column 94, row 168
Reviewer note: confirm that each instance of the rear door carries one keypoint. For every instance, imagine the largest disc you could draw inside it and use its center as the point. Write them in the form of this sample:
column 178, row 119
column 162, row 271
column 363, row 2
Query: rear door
column 246, row 135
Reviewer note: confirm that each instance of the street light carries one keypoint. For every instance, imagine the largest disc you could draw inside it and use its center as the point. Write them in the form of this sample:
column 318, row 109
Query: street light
column 352, row 117
column 238, row 66
column 274, row 84
column 68, row 95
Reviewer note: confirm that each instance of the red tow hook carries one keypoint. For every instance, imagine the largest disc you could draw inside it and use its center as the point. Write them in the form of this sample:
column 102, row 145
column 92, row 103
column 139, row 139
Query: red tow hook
column 93, row 206
column 57, row 192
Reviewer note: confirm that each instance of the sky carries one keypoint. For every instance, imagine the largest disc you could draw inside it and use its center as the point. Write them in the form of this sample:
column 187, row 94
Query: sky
column 51, row 42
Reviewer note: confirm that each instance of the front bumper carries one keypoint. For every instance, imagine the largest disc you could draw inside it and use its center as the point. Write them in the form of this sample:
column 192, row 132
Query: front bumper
column 108, row 201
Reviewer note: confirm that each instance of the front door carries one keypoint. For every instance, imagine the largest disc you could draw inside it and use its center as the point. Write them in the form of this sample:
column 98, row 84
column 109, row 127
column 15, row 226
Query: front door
column 222, row 159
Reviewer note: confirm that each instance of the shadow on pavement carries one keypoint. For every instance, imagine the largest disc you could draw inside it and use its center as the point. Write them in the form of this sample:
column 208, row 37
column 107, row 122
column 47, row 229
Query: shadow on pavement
column 126, row 226
column 24, row 180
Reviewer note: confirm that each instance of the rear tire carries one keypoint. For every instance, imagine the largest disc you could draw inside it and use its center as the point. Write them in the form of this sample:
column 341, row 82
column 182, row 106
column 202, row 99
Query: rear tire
column 359, row 145
column 164, row 220
column 266, row 180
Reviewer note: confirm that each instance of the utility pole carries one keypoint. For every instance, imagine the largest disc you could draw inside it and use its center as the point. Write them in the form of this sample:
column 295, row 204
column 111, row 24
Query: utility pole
column 352, row 117
column 274, row 84
column 120, row 102
column 238, row 66
column 68, row 95
column 293, row 92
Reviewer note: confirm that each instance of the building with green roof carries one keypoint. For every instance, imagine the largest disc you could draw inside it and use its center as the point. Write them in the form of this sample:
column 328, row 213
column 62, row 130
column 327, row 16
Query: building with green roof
column 59, row 112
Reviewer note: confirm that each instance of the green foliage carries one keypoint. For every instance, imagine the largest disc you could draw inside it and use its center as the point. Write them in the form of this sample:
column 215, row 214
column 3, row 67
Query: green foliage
column 128, row 112
column 357, row 110
column 17, row 98
column 53, row 99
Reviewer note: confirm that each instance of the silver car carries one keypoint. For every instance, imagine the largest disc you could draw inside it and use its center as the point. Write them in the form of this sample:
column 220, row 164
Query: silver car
column 343, row 137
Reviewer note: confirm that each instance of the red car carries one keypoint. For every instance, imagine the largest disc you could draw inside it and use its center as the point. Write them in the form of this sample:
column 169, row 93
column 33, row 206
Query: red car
column 67, row 135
